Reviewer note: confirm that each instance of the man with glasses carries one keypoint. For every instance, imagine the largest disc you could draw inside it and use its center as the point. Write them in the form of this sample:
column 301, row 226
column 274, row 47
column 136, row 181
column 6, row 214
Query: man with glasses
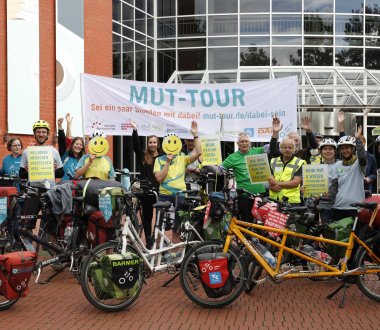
column 236, row 162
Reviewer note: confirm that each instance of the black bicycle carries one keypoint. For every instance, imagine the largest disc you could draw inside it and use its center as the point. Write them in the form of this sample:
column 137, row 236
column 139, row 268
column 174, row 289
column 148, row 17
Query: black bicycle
column 16, row 234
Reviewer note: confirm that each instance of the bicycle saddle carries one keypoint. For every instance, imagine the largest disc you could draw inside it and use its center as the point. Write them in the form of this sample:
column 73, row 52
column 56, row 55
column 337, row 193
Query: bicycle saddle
column 162, row 205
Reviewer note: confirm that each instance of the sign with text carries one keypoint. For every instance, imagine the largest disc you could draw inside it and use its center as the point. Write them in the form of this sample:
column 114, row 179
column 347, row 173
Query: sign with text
column 222, row 110
column 40, row 164
column 258, row 168
column 315, row 179
column 211, row 151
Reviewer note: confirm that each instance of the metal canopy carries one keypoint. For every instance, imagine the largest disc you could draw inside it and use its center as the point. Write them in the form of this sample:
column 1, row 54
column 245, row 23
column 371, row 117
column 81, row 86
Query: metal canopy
column 319, row 87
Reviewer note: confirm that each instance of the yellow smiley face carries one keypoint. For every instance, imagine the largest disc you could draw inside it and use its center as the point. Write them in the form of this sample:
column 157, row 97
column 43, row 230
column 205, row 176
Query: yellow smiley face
column 172, row 145
column 98, row 146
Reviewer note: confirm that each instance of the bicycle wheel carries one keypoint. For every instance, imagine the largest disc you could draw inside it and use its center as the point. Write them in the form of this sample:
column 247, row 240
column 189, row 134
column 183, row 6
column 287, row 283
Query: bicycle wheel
column 93, row 293
column 191, row 278
column 369, row 284
column 5, row 303
column 254, row 271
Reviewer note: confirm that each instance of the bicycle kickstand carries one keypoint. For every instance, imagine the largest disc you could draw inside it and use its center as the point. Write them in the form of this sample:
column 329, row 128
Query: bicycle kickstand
column 344, row 286
column 169, row 281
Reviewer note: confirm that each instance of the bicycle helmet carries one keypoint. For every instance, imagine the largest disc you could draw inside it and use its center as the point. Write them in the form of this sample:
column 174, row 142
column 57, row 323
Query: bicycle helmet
column 327, row 142
column 97, row 133
column 350, row 140
column 41, row 124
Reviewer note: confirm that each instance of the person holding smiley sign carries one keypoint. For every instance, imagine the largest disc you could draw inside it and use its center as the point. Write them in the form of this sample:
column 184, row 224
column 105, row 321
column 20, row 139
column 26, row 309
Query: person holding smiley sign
column 96, row 164
column 169, row 170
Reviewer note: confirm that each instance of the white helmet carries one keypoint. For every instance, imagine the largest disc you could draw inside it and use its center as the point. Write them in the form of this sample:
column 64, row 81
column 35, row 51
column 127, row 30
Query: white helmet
column 327, row 142
column 350, row 140
column 97, row 133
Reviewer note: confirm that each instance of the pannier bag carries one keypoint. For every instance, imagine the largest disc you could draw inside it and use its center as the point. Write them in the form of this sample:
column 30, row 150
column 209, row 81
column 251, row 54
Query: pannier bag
column 15, row 271
column 216, row 273
column 216, row 219
column 339, row 231
column 98, row 229
column 116, row 276
column 371, row 217
column 116, row 197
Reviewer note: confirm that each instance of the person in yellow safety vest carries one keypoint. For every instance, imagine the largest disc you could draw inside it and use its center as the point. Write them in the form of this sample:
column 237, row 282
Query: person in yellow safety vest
column 286, row 174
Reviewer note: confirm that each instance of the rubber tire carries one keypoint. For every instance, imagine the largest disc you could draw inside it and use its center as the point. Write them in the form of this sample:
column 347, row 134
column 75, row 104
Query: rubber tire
column 212, row 303
column 85, row 280
column 360, row 255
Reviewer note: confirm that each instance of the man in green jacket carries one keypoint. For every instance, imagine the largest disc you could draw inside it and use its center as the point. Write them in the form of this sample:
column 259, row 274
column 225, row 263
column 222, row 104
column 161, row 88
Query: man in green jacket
column 236, row 162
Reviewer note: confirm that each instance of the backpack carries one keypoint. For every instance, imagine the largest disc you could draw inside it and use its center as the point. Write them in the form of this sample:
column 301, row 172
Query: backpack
column 216, row 273
column 15, row 271
column 116, row 276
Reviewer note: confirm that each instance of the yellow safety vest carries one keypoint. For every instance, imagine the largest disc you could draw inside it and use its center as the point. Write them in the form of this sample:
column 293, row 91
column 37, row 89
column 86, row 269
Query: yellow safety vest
column 284, row 174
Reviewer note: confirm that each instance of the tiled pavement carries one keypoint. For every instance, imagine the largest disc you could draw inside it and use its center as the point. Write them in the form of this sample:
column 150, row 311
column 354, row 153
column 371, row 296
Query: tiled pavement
column 297, row 304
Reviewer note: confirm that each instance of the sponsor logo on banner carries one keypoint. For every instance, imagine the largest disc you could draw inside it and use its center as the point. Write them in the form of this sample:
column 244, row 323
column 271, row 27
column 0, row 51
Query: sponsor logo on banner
column 264, row 131
column 250, row 131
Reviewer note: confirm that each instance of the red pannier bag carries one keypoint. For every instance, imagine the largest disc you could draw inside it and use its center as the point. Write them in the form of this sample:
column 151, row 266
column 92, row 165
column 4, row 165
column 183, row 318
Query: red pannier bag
column 7, row 192
column 371, row 217
column 15, row 271
column 216, row 273
column 98, row 229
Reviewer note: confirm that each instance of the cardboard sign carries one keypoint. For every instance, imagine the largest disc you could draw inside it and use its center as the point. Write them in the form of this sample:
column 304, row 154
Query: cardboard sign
column 41, row 164
column 258, row 168
column 315, row 179
column 211, row 151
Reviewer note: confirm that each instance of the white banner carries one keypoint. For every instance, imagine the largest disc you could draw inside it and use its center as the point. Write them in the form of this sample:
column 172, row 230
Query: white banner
column 223, row 110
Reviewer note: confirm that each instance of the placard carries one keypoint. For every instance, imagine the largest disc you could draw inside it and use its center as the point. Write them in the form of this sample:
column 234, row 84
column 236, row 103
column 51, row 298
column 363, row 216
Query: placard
column 41, row 164
column 315, row 179
column 258, row 168
column 3, row 209
column 105, row 206
column 211, row 151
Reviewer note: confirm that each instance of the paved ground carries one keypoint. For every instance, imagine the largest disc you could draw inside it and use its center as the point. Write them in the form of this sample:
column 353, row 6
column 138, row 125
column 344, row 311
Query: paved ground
column 297, row 304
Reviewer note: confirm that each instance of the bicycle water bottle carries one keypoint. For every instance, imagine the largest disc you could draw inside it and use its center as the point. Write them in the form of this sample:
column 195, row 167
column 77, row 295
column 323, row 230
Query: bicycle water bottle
column 269, row 258
column 310, row 251
column 125, row 179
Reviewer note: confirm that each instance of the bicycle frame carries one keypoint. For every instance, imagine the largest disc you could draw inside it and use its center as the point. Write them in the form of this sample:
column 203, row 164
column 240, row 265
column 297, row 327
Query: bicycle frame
column 238, row 227
column 153, row 258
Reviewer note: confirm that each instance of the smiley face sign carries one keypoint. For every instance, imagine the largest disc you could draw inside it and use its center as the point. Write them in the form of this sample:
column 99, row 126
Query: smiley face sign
column 98, row 144
column 172, row 144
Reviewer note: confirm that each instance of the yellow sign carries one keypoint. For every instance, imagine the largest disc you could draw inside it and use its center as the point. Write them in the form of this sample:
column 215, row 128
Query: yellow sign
column 211, row 152
column 376, row 131
column 315, row 179
column 40, row 163
column 258, row 168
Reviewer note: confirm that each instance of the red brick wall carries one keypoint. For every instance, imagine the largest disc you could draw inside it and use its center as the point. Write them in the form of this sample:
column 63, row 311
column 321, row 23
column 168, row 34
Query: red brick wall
column 98, row 41
column 3, row 75
column 98, row 58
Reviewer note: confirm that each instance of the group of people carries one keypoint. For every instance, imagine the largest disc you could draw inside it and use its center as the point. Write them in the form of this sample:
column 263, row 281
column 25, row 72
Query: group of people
column 351, row 169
